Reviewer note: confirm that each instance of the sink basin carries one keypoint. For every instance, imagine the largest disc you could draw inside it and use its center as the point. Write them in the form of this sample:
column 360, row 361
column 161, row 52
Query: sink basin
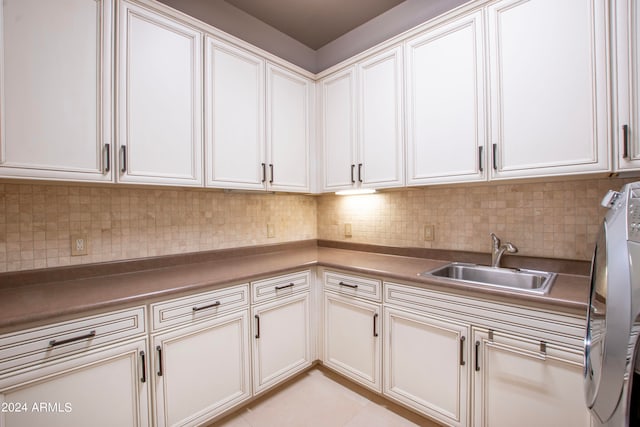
column 531, row 281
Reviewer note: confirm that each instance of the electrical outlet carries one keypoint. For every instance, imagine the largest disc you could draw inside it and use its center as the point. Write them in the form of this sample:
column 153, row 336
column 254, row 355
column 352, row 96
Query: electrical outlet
column 429, row 232
column 271, row 230
column 79, row 245
column 347, row 230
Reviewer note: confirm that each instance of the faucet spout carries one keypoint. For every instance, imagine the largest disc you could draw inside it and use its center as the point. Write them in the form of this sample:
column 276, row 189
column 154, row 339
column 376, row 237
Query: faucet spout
column 498, row 249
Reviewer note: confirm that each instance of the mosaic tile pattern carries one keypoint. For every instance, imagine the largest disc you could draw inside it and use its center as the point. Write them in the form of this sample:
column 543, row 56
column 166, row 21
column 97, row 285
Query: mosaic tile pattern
column 548, row 219
column 37, row 220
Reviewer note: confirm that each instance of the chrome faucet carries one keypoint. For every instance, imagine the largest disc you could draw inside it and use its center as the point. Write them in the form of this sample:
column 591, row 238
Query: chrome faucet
column 497, row 250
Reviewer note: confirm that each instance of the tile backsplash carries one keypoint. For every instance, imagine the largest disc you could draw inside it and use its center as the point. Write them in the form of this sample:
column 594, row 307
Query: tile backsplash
column 549, row 219
column 556, row 219
column 37, row 221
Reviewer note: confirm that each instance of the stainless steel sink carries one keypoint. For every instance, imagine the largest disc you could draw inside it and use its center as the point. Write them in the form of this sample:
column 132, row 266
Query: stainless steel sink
column 531, row 281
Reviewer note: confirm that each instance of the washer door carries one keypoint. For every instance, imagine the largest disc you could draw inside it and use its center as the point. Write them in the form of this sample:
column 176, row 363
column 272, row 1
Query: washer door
column 596, row 321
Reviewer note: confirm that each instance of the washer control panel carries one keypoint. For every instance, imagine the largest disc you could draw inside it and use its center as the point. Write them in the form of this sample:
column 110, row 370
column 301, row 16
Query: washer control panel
column 633, row 214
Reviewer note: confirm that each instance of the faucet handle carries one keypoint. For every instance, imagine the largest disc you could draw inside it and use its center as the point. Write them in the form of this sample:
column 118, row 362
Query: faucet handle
column 511, row 248
column 496, row 240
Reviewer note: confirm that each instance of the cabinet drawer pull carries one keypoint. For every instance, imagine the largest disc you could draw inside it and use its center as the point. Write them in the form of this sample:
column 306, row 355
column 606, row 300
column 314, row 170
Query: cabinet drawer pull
column 159, row 351
column 107, row 158
column 353, row 167
column 348, row 285
column 625, row 141
column 54, row 343
column 290, row 285
column 144, row 368
column 375, row 326
column 270, row 173
column 480, row 150
column 477, row 355
column 359, row 172
column 494, row 154
column 264, row 172
column 123, row 158
column 462, row 340
column 204, row 307
column 257, row 326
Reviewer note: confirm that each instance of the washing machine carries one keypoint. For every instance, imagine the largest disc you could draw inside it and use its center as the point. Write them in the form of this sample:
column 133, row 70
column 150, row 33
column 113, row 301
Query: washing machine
column 611, row 353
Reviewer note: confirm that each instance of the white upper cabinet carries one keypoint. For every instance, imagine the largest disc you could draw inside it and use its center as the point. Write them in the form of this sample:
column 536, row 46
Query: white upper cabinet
column 55, row 72
column 362, row 127
column 549, row 87
column 234, row 125
column 338, row 128
column 288, row 129
column 159, row 86
column 626, row 134
column 445, row 103
column 380, row 140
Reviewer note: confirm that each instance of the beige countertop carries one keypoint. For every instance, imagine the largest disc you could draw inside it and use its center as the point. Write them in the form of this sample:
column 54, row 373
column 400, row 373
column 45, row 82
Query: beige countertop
column 24, row 304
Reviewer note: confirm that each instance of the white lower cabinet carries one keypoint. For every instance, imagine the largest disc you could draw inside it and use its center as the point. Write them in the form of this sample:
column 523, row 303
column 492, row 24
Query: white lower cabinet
column 281, row 340
column 104, row 387
column 353, row 339
column 525, row 382
column 201, row 370
column 426, row 364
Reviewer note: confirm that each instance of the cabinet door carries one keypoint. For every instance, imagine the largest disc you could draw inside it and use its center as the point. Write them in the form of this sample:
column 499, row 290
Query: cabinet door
column 549, row 87
column 338, row 129
column 353, row 340
column 159, row 99
column 201, row 370
column 445, row 103
column 106, row 388
column 288, row 129
column 55, row 72
column 627, row 64
column 234, row 123
column 281, row 340
column 526, row 383
column 381, row 147
column 427, row 365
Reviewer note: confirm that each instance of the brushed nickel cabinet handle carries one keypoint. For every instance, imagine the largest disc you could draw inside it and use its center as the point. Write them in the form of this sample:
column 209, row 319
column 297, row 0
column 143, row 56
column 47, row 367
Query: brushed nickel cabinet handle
column 625, row 141
column 480, row 166
column 159, row 352
column 462, row 340
column 290, row 285
column 123, row 158
column 270, row 173
column 204, row 307
column 375, row 327
column 348, row 285
column 494, row 155
column 353, row 180
column 107, row 158
column 477, row 356
column 144, row 367
column 54, row 343
column 257, row 326
column 264, row 172
column 359, row 172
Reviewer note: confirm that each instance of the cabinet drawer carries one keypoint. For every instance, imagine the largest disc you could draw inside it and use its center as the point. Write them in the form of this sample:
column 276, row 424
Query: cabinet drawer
column 37, row 345
column 347, row 284
column 201, row 306
column 280, row 286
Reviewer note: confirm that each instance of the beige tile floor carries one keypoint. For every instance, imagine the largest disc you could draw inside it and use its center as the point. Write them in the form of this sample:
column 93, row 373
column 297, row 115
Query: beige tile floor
column 320, row 398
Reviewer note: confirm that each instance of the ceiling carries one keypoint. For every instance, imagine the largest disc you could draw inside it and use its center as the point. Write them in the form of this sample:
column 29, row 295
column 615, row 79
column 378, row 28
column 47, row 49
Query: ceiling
column 314, row 23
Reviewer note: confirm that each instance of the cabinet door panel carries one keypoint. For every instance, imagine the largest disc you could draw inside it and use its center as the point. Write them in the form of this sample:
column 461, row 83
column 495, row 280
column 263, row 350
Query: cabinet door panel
column 549, row 83
column 380, row 145
column 160, row 99
column 281, row 341
column 56, row 89
column 288, row 135
column 352, row 343
column 204, row 370
column 338, row 130
column 518, row 384
column 445, row 106
column 426, row 365
column 235, row 117
column 627, row 64
column 100, row 388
